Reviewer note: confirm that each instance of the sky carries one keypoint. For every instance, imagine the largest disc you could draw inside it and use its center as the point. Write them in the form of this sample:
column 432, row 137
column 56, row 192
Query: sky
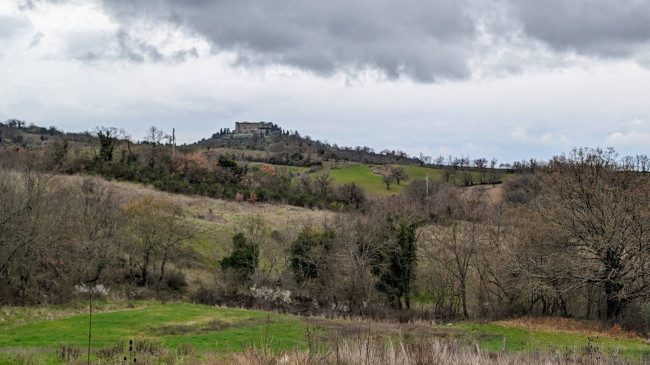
column 481, row 78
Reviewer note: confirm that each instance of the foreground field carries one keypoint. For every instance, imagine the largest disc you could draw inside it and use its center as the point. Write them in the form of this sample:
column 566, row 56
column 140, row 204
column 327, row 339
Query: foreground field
column 188, row 333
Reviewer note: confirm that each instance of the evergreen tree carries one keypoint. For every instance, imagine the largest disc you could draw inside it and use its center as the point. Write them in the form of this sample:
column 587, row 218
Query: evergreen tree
column 396, row 262
column 308, row 253
column 243, row 259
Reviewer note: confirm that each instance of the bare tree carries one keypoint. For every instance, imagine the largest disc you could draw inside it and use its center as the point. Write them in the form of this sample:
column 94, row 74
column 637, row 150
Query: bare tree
column 600, row 213
column 157, row 227
column 323, row 183
column 399, row 173
column 387, row 179
column 97, row 223
column 154, row 137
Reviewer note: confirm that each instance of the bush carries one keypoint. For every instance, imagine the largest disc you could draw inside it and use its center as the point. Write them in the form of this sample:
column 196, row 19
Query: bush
column 243, row 259
column 176, row 281
column 206, row 295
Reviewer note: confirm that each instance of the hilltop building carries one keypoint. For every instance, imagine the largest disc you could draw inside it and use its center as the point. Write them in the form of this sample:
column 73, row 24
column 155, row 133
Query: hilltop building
column 261, row 128
column 250, row 130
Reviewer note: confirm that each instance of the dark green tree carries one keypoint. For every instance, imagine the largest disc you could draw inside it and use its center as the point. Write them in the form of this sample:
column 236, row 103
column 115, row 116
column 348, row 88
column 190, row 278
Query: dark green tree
column 397, row 260
column 309, row 253
column 107, row 139
column 243, row 259
column 229, row 164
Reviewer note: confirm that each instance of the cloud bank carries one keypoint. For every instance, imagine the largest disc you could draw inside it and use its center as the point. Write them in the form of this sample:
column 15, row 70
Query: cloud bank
column 421, row 40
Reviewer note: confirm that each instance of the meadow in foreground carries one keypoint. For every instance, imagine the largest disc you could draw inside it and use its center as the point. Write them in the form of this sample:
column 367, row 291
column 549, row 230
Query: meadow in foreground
column 182, row 333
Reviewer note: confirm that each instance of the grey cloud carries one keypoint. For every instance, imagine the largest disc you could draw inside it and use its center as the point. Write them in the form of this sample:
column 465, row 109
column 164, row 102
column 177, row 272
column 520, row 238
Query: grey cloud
column 127, row 49
column 87, row 45
column 91, row 47
column 36, row 39
column 181, row 56
column 27, row 4
column 11, row 25
column 424, row 40
column 606, row 28
column 139, row 51
column 427, row 41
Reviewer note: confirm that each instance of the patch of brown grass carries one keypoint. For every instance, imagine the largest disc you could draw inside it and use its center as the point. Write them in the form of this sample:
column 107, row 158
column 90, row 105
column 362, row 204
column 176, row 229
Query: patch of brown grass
column 566, row 325
column 429, row 352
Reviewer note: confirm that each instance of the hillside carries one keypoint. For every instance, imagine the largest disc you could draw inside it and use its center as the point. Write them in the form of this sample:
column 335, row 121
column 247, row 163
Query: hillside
column 318, row 235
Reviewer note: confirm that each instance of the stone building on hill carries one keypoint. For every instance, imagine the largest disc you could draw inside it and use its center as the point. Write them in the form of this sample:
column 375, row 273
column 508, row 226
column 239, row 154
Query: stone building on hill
column 261, row 129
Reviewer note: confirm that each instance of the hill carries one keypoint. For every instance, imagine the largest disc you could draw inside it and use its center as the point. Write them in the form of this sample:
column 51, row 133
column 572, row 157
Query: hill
column 321, row 235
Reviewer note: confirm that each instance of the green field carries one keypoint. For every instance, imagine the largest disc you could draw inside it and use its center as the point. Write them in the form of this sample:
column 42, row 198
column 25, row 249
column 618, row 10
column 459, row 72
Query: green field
column 362, row 176
column 490, row 337
column 373, row 183
column 213, row 331
column 206, row 328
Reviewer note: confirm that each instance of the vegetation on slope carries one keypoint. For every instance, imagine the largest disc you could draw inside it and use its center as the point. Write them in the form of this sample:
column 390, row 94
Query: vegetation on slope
column 569, row 238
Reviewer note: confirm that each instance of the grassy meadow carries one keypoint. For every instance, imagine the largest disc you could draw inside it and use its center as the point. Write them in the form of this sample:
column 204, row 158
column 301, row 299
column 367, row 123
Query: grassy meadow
column 194, row 333
column 373, row 184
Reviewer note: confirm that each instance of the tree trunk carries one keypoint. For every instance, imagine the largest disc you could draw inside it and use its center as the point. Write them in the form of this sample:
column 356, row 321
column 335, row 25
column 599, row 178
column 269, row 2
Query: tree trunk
column 615, row 305
column 463, row 294
column 162, row 265
column 145, row 269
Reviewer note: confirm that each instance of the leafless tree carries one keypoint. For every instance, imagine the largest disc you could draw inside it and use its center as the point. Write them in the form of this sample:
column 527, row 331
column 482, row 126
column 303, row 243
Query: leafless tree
column 399, row 173
column 157, row 227
column 154, row 137
column 387, row 179
column 600, row 215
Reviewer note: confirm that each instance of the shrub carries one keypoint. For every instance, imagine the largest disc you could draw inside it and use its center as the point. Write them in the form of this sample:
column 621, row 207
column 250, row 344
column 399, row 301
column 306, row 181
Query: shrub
column 176, row 281
column 243, row 259
column 206, row 295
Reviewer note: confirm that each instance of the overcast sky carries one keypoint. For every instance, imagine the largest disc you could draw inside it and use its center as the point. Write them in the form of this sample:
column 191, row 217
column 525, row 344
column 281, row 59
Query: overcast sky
column 505, row 79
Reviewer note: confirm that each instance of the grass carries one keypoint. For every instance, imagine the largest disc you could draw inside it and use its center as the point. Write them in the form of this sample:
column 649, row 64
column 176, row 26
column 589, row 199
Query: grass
column 212, row 330
column 11, row 317
column 362, row 176
column 373, row 183
column 207, row 328
column 490, row 337
column 217, row 221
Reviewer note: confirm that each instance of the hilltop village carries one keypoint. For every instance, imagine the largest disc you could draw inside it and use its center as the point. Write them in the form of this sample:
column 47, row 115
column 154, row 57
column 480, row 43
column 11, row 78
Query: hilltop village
column 251, row 130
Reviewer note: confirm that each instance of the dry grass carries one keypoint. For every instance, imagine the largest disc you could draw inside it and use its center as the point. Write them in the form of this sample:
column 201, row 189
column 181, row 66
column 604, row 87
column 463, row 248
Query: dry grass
column 565, row 325
column 493, row 194
column 216, row 210
column 370, row 351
